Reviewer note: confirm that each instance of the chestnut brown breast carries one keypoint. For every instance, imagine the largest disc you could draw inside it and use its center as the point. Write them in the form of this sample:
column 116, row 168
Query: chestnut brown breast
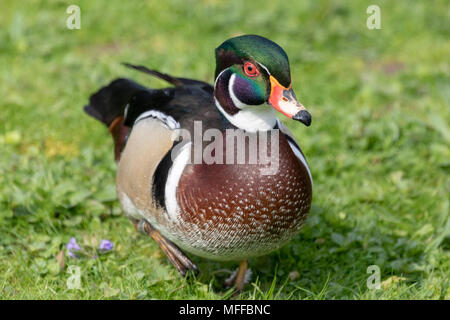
column 233, row 211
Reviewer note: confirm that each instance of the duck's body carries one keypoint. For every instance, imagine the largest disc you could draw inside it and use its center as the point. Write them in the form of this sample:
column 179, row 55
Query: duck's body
column 219, row 210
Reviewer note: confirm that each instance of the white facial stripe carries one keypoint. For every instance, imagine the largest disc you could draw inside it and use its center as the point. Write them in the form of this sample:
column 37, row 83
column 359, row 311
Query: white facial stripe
column 169, row 121
column 264, row 67
column 215, row 82
column 173, row 179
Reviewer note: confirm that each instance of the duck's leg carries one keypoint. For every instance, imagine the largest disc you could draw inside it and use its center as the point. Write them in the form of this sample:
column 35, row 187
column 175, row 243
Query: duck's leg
column 239, row 277
column 239, row 282
column 173, row 253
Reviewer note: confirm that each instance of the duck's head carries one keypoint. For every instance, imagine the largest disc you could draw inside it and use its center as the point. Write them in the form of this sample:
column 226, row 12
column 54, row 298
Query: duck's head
column 253, row 79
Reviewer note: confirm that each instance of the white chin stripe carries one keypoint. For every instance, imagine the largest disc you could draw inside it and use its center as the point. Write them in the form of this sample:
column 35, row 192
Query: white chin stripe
column 170, row 122
column 173, row 179
column 251, row 118
column 236, row 101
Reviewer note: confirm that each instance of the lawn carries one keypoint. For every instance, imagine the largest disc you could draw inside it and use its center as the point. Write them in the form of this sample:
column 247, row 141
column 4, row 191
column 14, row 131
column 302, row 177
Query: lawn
column 378, row 146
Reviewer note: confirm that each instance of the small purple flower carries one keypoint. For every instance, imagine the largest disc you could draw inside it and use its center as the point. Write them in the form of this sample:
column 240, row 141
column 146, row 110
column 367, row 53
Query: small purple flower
column 71, row 246
column 106, row 245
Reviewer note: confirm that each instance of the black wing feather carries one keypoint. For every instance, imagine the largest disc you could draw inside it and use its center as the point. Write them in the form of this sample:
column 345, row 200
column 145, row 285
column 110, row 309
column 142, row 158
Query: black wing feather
column 189, row 100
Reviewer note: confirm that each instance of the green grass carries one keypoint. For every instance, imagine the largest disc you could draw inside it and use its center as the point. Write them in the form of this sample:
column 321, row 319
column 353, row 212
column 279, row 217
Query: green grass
column 378, row 146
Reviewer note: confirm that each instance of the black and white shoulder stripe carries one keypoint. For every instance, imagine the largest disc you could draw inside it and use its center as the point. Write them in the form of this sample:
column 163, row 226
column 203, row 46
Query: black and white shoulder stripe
column 167, row 120
column 294, row 146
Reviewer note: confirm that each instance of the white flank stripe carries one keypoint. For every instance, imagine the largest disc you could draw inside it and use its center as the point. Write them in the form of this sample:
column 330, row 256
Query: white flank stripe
column 173, row 179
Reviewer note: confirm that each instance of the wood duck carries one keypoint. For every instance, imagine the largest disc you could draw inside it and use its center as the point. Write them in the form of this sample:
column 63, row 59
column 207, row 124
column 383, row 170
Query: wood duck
column 220, row 210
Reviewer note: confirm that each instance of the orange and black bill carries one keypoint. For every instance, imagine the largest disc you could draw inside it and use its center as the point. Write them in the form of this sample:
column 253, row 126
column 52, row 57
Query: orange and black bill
column 284, row 100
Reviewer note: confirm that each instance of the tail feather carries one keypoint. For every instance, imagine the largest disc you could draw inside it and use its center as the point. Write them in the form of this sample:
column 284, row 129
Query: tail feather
column 108, row 106
column 109, row 102
column 177, row 82
column 164, row 76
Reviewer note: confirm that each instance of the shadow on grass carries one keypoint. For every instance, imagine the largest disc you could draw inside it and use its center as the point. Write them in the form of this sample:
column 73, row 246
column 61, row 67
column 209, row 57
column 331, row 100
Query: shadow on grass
column 326, row 260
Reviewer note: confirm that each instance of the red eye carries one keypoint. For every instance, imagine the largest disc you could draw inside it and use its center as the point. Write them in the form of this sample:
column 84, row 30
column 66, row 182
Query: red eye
column 250, row 69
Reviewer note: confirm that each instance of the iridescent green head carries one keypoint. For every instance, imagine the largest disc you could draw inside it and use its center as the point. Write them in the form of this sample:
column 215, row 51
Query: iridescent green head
column 254, row 71
column 252, row 47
